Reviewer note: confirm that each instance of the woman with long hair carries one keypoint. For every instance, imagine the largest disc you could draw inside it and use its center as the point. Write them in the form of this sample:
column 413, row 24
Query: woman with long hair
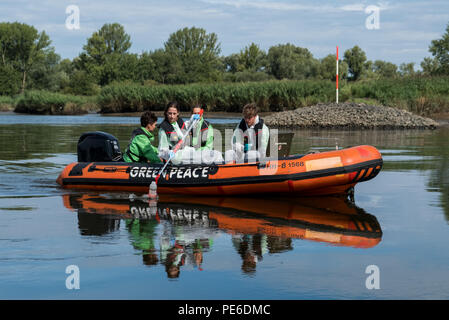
column 171, row 129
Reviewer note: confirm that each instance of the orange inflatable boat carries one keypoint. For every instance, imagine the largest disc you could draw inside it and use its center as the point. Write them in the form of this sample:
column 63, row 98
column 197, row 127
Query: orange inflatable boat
column 325, row 173
column 332, row 220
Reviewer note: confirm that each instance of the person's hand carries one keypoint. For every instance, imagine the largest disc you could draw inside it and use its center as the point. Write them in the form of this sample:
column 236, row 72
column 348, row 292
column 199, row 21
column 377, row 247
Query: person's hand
column 165, row 154
column 239, row 148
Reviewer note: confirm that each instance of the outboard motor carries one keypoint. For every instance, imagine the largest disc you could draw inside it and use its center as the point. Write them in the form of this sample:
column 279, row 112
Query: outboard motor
column 98, row 146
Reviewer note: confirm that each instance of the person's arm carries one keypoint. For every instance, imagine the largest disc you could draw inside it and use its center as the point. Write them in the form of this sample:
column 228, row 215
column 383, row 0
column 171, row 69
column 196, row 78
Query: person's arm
column 164, row 144
column 237, row 140
column 264, row 141
column 147, row 149
column 188, row 138
column 210, row 139
column 134, row 152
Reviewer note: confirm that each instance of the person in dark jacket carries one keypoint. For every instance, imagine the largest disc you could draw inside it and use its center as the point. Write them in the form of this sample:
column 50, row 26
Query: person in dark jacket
column 172, row 128
column 251, row 134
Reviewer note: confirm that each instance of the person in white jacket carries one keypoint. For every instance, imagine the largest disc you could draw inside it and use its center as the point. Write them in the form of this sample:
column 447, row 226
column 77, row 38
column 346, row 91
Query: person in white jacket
column 250, row 137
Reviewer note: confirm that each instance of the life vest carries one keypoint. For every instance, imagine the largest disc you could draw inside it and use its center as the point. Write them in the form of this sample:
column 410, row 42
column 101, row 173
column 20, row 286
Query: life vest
column 136, row 132
column 202, row 134
column 257, row 129
column 170, row 131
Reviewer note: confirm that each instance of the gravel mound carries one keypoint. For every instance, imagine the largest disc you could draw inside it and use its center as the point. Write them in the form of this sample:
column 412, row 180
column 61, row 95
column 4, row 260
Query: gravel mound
column 349, row 115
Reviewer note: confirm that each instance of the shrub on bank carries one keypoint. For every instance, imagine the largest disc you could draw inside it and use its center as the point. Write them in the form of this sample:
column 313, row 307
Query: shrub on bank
column 420, row 95
column 50, row 103
column 6, row 103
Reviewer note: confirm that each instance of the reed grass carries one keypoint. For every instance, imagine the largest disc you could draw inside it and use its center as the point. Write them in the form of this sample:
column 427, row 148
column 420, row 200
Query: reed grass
column 228, row 97
column 420, row 95
column 51, row 103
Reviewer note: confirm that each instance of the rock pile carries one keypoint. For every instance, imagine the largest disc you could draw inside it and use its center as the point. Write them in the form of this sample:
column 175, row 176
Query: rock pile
column 349, row 115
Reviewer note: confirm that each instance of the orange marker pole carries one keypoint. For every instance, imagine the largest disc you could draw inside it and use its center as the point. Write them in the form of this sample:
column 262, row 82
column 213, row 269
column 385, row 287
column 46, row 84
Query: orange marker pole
column 337, row 78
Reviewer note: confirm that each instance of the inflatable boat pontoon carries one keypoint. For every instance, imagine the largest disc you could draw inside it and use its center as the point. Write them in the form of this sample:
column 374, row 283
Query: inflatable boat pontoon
column 324, row 173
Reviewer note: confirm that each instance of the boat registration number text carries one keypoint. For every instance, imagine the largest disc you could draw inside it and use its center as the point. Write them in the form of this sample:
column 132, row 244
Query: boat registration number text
column 283, row 165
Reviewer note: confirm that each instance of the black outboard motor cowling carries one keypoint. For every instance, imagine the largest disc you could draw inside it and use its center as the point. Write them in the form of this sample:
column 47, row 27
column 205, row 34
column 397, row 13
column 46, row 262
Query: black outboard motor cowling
column 98, row 146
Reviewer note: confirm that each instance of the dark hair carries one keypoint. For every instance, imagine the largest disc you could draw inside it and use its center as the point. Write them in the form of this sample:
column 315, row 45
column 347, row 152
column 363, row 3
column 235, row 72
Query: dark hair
column 198, row 105
column 147, row 118
column 171, row 104
column 250, row 110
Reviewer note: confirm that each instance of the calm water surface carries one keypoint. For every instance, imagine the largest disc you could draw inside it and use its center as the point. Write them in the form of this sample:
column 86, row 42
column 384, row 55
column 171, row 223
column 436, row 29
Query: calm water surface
column 221, row 248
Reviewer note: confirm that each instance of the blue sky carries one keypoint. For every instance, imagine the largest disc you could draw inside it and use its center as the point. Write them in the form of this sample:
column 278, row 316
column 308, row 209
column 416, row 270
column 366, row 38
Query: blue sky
column 406, row 28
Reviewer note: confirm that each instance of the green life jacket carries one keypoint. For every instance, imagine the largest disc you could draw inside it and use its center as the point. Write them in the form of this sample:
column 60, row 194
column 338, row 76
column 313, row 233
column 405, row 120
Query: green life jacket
column 203, row 135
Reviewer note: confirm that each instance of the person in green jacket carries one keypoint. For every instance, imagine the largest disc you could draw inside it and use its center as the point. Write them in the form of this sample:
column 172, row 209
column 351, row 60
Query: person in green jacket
column 143, row 234
column 140, row 148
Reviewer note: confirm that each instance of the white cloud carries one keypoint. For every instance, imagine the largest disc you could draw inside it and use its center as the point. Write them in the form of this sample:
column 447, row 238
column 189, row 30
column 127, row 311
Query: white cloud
column 271, row 5
column 353, row 7
column 363, row 6
column 287, row 6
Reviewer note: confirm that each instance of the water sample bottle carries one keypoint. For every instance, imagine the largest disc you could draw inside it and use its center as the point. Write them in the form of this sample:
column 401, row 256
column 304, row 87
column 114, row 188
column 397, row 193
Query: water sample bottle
column 153, row 208
column 246, row 144
column 152, row 193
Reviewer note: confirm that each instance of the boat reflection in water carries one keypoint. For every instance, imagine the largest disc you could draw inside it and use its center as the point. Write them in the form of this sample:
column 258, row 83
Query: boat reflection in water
column 177, row 230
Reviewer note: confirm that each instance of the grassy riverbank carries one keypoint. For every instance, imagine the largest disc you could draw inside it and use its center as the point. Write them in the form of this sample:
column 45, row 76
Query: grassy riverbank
column 6, row 103
column 51, row 103
column 422, row 96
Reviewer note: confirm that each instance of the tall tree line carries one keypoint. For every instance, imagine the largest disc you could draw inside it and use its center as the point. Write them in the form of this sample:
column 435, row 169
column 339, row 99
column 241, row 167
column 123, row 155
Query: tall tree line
column 190, row 55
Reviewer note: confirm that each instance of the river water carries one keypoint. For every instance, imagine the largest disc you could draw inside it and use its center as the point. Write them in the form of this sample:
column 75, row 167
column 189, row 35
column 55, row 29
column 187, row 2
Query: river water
column 389, row 244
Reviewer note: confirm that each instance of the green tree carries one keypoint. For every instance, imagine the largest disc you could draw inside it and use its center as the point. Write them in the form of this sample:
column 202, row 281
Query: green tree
column 233, row 63
column 430, row 66
column 145, row 69
column 111, row 38
column 287, row 61
column 440, row 50
column 22, row 47
column 252, row 58
column 385, row 69
column 9, row 80
column 47, row 74
column 82, row 83
column 328, row 68
column 166, row 69
column 407, row 69
column 356, row 59
column 368, row 71
column 104, row 53
column 120, row 67
column 67, row 66
column 194, row 53
column 6, row 42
